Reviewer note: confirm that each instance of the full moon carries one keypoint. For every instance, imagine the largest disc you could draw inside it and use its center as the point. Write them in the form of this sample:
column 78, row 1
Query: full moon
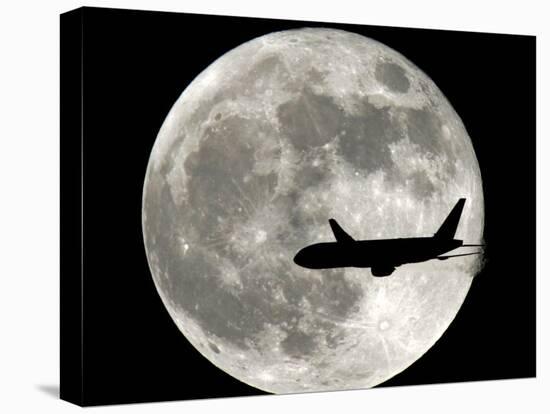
column 266, row 144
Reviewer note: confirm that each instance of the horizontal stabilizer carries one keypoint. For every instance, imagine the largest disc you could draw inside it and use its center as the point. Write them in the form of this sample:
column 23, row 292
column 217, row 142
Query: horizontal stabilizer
column 339, row 233
column 455, row 255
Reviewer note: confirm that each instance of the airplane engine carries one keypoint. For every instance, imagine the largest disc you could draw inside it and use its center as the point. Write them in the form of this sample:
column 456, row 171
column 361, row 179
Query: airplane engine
column 381, row 271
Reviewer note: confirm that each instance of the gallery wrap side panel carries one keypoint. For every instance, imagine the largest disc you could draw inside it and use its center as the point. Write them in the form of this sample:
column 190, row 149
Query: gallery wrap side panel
column 71, row 196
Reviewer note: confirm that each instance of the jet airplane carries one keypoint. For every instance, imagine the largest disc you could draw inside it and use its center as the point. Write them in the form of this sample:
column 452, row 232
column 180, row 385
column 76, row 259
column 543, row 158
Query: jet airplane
column 384, row 255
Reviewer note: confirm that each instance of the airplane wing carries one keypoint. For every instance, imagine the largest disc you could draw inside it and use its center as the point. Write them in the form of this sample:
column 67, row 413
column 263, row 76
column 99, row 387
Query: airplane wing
column 339, row 233
column 455, row 255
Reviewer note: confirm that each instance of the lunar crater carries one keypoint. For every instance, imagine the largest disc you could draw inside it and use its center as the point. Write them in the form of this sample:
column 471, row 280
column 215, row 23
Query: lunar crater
column 392, row 76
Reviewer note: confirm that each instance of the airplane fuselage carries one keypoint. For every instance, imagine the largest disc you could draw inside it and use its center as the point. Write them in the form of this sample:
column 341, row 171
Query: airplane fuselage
column 382, row 254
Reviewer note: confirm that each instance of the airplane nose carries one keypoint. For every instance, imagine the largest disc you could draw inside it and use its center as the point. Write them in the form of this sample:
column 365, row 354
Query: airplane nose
column 299, row 258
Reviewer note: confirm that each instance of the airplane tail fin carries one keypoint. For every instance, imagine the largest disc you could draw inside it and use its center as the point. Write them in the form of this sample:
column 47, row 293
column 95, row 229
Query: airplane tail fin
column 448, row 228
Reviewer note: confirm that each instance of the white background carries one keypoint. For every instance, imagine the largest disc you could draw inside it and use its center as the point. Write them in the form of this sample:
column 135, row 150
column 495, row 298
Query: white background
column 29, row 206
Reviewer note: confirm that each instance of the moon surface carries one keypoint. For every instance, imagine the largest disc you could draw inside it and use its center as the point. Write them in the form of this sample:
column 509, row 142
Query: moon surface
column 263, row 147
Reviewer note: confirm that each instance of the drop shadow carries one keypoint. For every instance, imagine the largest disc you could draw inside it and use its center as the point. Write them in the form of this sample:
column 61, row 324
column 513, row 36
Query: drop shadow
column 49, row 389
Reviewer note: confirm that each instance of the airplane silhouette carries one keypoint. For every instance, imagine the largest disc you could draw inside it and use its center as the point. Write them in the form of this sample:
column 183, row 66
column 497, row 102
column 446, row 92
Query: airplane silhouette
column 383, row 256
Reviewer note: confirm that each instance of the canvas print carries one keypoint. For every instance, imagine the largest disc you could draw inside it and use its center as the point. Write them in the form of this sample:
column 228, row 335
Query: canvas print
column 279, row 207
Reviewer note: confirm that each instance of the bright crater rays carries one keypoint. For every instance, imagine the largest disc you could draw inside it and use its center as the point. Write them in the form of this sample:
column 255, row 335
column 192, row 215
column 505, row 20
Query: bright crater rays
column 263, row 147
